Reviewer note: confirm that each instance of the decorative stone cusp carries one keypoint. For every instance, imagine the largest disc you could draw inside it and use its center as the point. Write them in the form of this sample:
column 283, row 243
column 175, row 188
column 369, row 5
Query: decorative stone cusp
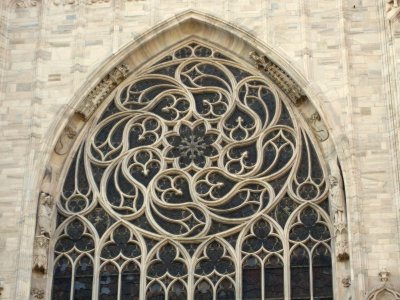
column 280, row 78
column 102, row 90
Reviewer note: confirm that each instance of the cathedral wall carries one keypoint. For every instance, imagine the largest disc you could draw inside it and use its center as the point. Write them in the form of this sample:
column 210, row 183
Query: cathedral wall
column 346, row 50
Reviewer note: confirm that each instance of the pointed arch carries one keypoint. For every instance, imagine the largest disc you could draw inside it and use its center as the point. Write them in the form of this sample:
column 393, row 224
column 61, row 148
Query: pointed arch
column 139, row 57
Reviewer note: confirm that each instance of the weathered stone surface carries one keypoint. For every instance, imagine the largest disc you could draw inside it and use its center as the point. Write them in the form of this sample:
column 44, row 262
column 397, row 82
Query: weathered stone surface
column 345, row 55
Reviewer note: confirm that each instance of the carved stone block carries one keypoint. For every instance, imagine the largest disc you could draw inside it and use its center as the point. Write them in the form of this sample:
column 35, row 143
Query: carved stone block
column 26, row 3
column 37, row 293
column 318, row 127
column 384, row 291
column 40, row 253
column 44, row 215
column 65, row 140
column 280, row 78
column 102, row 90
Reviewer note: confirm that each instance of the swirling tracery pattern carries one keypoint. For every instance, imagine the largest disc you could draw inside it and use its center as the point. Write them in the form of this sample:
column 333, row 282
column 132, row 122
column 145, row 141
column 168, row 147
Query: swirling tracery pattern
column 194, row 158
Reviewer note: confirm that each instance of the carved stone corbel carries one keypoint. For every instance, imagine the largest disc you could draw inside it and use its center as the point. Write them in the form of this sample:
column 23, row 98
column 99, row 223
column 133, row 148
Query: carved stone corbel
column 318, row 127
column 280, row 78
column 102, row 90
column 26, row 3
column 385, row 290
column 40, row 253
column 65, row 140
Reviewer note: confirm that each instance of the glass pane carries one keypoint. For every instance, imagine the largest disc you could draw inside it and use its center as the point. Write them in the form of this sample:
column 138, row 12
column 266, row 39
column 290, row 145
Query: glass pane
column 273, row 274
column 322, row 273
column 226, row 290
column 299, row 274
column 177, row 292
column 62, row 279
column 155, row 292
column 192, row 149
column 83, row 279
column 130, row 282
column 203, row 291
column 108, row 282
column 251, row 279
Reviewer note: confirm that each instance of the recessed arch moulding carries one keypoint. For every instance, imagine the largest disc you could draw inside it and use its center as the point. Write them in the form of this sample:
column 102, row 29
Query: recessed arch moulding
column 64, row 135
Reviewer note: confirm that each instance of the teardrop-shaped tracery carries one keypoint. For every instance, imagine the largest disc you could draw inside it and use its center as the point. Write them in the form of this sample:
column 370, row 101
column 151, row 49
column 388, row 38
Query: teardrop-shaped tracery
column 212, row 184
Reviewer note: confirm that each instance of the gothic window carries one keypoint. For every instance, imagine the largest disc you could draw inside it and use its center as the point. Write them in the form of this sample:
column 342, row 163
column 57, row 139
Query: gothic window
column 195, row 181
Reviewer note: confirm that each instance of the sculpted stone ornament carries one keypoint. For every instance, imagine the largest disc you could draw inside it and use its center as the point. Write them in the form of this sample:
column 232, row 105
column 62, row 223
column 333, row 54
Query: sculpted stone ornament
column 40, row 253
column 346, row 282
column 318, row 127
column 45, row 212
column 385, row 290
column 336, row 197
column 280, row 78
column 102, row 90
column 63, row 2
column 26, row 3
column 65, row 140
column 97, row 1
column 1, row 286
column 37, row 293
column 392, row 9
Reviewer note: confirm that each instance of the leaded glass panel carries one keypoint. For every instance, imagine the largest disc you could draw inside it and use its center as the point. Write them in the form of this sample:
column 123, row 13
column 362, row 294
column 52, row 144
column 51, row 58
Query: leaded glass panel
column 196, row 181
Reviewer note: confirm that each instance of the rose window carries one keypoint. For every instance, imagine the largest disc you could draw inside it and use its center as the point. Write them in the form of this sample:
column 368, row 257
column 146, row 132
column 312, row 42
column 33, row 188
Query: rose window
column 195, row 181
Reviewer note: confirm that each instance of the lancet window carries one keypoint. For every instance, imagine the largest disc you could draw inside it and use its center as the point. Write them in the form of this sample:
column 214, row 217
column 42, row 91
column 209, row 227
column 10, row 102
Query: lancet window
column 197, row 180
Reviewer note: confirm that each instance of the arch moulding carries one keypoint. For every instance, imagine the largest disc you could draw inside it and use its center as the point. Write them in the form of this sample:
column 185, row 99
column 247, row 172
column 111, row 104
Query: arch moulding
column 64, row 131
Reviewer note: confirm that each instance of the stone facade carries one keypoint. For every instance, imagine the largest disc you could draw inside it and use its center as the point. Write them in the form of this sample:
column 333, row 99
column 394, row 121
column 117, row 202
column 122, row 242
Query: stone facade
column 343, row 54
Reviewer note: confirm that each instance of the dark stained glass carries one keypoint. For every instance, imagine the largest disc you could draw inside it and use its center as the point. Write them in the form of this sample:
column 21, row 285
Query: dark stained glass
column 203, row 291
column 273, row 278
column 177, row 292
column 251, row 279
column 62, row 279
column 155, row 292
column 108, row 288
column 322, row 273
column 300, row 274
column 83, row 279
column 226, row 290
column 197, row 157
column 130, row 282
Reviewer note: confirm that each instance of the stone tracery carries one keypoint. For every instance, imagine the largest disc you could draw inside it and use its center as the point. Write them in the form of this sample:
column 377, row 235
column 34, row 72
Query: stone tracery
column 193, row 149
